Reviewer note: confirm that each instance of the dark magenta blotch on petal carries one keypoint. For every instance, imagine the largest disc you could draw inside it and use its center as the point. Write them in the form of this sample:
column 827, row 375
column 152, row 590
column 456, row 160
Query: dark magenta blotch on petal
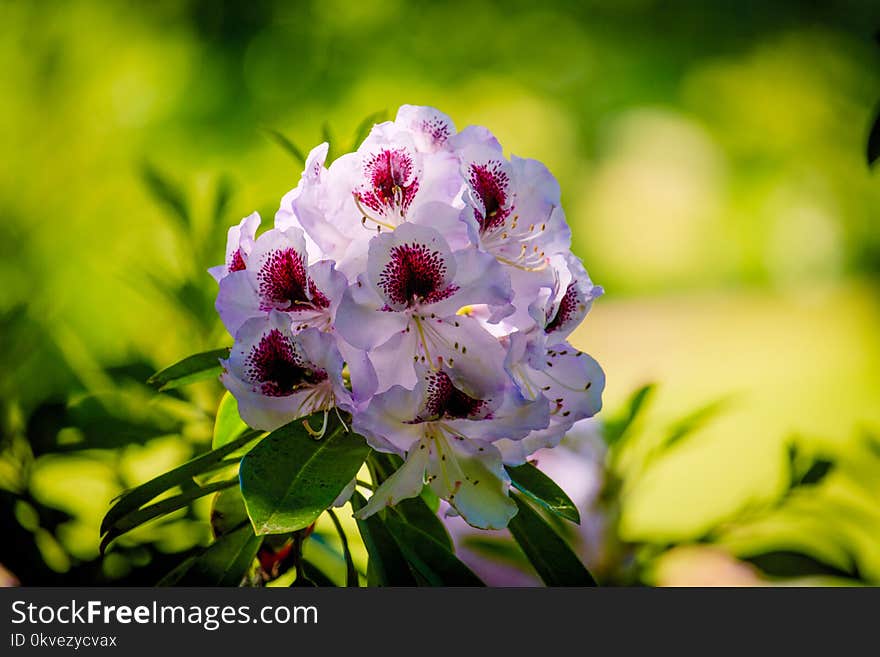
column 444, row 400
column 283, row 282
column 236, row 262
column 492, row 184
column 415, row 274
column 278, row 369
column 391, row 182
column 568, row 306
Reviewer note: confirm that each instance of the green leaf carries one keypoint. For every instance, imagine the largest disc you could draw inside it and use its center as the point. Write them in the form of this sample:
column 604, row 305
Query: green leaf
column 542, row 489
column 172, row 578
column 228, row 425
column 135, row 498
column 161, row 508
column 292, row 149
column 191, row 369
column 418, row 514
column 290, row 478
column 351, row 573
column 429, row 557
column 616, row 429
column 549, row 554
column 226, row 561
column 383, row 466
column 387, row 565
column 430, row 498
column 227, row 511
column 167, row 193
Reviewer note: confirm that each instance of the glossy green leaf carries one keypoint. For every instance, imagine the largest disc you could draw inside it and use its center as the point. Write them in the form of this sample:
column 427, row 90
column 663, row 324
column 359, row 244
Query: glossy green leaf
column 197, row 367
column 226, row 561
column 433, row 560
column 549, row 554
column 290, row 478
column 542, row 489
column 134, row 499
column 228, row 425
column 387, row 565
column 292, row 149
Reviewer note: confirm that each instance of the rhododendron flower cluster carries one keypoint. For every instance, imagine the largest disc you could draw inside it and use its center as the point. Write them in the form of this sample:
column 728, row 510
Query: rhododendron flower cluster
column 423, row 285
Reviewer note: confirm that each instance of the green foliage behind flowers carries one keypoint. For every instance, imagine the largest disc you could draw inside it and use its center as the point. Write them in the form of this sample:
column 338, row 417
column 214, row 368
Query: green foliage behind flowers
column 753, row 125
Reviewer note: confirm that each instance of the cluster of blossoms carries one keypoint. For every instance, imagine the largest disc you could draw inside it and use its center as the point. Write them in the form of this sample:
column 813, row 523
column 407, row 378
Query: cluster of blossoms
column 425, row 285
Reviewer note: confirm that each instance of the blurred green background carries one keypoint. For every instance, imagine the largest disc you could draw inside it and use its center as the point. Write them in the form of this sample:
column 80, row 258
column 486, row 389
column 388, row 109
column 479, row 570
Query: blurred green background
column 711, row 157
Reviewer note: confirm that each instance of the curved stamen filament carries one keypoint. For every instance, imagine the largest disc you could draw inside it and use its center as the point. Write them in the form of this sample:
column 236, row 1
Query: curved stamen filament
column 367, row 216
column 506, row 234
column 318, row 398
column 317, row 435
column 544, row 264
column 341, row 421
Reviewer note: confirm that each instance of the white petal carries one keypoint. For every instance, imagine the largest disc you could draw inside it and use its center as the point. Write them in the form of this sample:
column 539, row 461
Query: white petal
column 385, row 421
column 404, row 483
column 360, row 319
column 237, row 301
column 446, row 220
column 393, row 361
column 346, row 494
column 431, row 128
column 472, row 478
column 475, row 135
